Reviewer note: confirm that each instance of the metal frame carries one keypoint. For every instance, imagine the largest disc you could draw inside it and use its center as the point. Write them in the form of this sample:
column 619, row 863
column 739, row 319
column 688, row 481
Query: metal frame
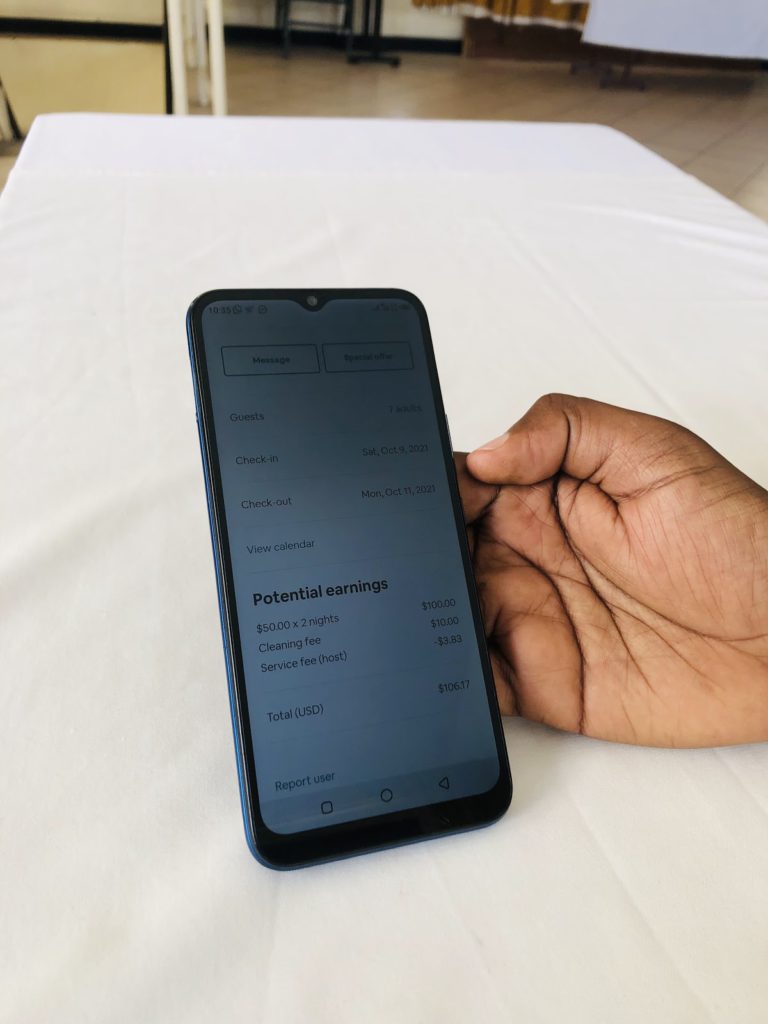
column 372, row 16
column 286, row 24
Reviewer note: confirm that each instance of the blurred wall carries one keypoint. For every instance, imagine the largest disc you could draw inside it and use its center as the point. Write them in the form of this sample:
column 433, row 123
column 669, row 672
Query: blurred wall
column 148, row 12
column 400, row 17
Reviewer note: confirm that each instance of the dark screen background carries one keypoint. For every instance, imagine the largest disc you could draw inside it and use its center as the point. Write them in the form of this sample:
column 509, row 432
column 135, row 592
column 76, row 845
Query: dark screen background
column 364, row 682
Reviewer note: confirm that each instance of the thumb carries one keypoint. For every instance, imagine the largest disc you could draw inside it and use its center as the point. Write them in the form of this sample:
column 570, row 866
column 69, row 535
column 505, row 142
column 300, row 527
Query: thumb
column 620, row 451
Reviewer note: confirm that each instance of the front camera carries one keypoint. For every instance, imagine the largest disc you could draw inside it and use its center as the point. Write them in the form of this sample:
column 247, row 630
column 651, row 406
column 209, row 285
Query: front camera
column 312, row 300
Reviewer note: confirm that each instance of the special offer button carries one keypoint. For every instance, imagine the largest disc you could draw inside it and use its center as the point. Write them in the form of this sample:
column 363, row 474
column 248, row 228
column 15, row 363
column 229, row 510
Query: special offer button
column 364, row 356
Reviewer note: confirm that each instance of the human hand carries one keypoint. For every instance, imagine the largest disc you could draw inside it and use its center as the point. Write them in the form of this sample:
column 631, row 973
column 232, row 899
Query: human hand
column 622, row 565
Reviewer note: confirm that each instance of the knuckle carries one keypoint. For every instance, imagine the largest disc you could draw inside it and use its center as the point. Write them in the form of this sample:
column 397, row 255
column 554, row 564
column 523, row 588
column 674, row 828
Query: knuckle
column 554, row 401
column 563, row 405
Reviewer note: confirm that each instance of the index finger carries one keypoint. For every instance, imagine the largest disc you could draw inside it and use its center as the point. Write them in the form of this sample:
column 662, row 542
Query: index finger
column 624, row 453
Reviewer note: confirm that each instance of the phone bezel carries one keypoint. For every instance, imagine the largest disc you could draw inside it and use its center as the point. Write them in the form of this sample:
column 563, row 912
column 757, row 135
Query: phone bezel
column 330, row 842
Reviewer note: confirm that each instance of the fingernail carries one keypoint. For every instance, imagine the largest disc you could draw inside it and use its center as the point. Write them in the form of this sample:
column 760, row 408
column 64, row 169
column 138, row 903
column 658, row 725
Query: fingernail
column 497, row 442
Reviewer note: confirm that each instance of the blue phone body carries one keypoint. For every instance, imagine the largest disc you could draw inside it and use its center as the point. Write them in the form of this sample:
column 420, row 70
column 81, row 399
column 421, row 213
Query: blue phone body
column 281, row 851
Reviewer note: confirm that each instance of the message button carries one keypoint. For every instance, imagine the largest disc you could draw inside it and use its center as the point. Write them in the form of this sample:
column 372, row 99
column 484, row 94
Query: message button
column 248, row 360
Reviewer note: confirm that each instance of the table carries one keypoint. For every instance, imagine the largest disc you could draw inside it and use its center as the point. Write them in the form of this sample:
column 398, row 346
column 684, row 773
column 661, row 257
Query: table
column 624, row 884
column 736, row 30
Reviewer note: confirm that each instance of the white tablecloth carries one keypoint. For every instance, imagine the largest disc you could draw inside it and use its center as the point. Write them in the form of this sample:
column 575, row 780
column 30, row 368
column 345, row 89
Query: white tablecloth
column 624, row 884
column 714, row 28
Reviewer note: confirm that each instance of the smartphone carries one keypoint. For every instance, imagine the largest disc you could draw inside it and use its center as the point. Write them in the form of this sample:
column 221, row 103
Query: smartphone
column 362, row 697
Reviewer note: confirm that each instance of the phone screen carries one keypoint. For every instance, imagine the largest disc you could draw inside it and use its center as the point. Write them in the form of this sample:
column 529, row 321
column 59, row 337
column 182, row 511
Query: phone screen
column 365, row 688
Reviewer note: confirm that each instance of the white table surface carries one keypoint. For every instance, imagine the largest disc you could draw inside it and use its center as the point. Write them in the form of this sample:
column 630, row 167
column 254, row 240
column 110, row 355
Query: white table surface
column 624, row 884
column 736, row 29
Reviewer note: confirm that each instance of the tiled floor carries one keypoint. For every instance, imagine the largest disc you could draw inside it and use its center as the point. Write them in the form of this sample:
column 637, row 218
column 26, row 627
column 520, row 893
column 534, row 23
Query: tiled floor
column 7, row 160
column 712, row 124
column 40, row 74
